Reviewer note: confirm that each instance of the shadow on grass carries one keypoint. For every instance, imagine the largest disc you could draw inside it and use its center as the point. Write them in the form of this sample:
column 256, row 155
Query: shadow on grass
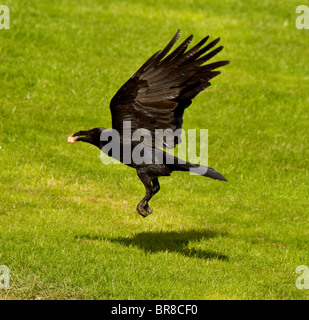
column 167, row 241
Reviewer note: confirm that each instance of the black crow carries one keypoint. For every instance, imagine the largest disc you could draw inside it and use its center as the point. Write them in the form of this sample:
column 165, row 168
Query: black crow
column 152, row 102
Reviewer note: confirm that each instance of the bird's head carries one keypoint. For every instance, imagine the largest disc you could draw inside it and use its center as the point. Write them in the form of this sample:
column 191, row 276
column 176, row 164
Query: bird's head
column 91, row 136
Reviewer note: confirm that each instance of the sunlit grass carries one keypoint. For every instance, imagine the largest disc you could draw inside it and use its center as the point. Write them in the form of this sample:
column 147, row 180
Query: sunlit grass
column 68, row 224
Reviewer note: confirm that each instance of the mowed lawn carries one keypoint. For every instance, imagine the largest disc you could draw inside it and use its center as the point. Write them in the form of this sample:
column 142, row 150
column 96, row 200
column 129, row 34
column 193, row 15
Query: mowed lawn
column 68, row 224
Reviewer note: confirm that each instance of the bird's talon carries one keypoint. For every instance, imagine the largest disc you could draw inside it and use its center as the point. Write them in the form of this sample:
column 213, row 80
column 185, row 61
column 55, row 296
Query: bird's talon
column 149, row 210
column 144, row 210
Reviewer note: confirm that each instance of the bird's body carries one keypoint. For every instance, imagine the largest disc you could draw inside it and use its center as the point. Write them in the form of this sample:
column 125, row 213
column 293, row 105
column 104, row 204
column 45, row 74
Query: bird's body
column 153, row 101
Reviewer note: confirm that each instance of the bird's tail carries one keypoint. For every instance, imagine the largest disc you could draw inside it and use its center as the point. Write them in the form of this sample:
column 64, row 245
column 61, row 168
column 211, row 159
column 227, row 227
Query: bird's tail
column 201, row 170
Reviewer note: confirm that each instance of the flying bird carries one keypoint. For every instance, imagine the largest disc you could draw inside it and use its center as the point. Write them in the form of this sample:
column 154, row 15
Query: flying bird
column 152, row 102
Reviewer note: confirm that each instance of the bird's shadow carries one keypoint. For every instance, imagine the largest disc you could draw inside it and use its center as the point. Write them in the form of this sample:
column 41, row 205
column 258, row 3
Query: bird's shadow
column 167, row 241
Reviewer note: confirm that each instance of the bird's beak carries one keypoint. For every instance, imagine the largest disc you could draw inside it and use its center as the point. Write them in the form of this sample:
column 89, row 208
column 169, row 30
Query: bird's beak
column 72, row 139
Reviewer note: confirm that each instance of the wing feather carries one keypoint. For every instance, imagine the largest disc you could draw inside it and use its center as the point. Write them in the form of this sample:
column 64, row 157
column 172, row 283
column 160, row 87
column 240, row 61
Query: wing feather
column 156, row 96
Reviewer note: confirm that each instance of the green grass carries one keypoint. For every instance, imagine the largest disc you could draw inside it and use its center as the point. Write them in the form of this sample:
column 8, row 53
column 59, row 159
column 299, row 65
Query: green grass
column 68, row 225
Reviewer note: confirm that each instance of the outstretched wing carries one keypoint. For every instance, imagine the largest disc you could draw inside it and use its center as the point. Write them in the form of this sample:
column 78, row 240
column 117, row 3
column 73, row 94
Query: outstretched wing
column 156, row 96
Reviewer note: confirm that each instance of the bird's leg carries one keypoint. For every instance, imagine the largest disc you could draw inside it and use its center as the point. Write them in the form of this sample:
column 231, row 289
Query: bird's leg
column 143, row 208
column 143, row 205
column 155, row 186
